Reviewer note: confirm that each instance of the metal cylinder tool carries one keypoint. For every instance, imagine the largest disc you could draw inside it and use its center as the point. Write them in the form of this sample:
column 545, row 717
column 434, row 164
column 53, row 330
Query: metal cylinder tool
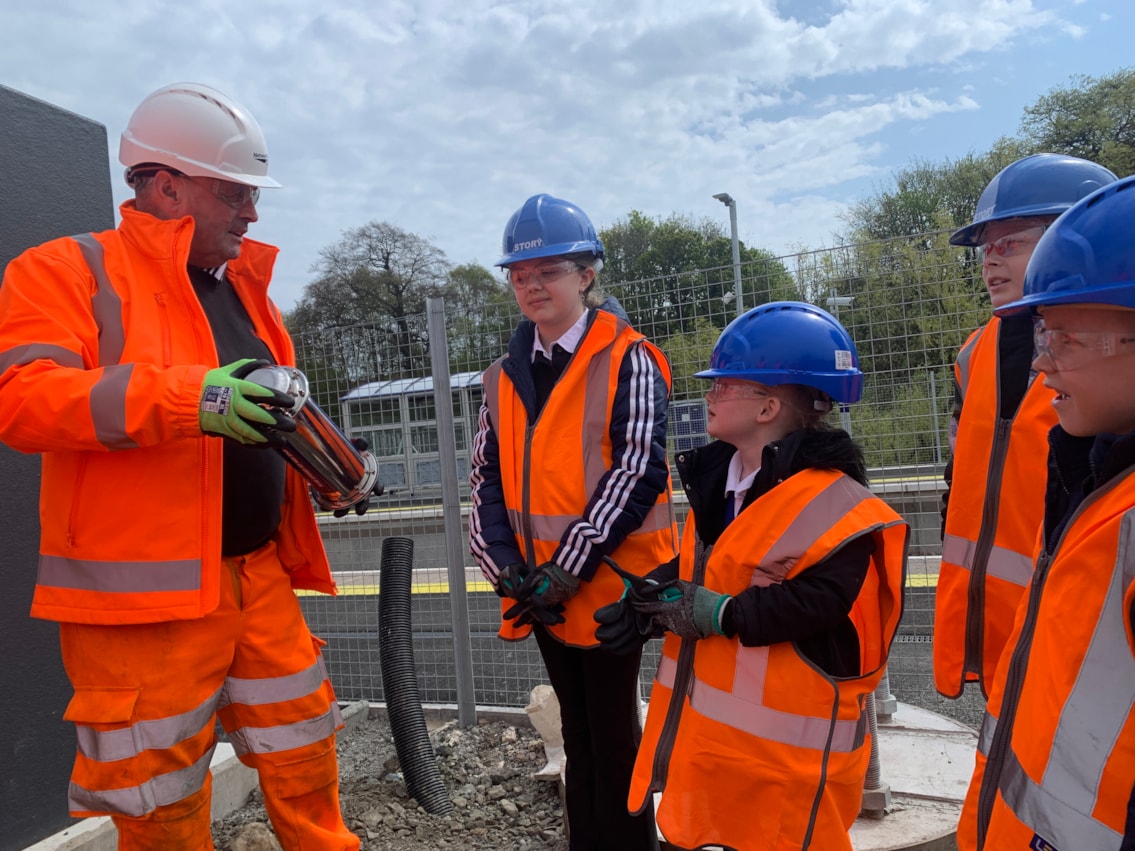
column 318, row 449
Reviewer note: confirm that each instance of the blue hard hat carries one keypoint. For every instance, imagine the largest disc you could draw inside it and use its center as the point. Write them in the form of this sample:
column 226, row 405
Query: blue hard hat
column 1087, row 256
column 789, row 342
column 1039, row 185
column 548, row 227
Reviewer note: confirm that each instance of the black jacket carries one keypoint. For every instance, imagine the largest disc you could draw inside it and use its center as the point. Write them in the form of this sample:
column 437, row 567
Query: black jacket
column 810, row 609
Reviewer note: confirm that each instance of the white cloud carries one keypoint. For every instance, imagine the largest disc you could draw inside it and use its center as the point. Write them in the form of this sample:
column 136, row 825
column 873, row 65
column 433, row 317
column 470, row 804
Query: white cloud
column 442, row 118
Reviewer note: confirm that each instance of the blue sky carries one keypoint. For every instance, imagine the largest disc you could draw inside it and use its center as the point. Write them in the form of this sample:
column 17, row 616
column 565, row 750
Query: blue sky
column 441, row 116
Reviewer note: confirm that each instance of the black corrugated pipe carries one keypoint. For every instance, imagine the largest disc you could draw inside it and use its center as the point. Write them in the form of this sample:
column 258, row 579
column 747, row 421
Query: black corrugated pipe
column 400, row 679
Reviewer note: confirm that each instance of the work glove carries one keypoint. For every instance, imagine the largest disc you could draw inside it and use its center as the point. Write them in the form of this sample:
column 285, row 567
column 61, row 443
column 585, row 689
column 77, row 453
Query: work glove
column 363, row 505
column 523, row 613
column 232, row 407
column 548, row 585
column 686, row 609
column 511, row 578
column 623, row 630
column 542, row 594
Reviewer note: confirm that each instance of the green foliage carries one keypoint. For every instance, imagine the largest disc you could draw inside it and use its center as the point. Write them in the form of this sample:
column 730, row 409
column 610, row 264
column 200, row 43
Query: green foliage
column 927, row 196
column 1093, row 118
column 689, row 353
column 670, row 275
column 908, row 428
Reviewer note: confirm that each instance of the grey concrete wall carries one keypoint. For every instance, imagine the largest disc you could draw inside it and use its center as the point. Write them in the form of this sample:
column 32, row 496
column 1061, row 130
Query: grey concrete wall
column 54, row 181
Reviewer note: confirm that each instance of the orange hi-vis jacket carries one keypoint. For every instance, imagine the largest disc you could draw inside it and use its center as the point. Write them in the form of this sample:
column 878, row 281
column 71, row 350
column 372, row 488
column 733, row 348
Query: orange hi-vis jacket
column 549, row 470
column 996, row 506
column 103, row 352
column 756, row 747
column 1056, row 753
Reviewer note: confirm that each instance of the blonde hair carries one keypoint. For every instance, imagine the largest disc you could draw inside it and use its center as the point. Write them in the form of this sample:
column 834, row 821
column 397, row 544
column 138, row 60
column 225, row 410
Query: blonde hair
column 808, row 405
column 592, row 297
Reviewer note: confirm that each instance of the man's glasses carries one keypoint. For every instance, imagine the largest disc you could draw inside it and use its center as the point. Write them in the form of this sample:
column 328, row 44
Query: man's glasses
column 1075, row 349
column 727, row 391
column 236, row 195
column 1013, row 243
column 542, row 275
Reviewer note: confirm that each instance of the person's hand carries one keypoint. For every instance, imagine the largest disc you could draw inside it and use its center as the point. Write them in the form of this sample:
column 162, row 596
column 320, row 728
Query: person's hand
column 232, row 407
column 547, row 586
column 511, row 578
column 622, row 630
column 686, row 609
column 525, row 612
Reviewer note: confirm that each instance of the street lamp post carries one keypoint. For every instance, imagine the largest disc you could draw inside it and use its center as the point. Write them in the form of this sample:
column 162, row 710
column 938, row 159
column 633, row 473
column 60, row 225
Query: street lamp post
column 835, row 302
column 727, row 199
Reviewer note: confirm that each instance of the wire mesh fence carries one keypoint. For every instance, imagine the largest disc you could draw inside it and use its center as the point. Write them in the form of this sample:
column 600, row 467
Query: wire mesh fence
column 909, row 305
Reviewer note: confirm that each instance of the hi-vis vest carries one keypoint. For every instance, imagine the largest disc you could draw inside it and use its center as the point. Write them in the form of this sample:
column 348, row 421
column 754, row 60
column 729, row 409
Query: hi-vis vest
column 1056, row 754
column 550, row 468
column 756, row 747
column 996, row 506
column 130, row 505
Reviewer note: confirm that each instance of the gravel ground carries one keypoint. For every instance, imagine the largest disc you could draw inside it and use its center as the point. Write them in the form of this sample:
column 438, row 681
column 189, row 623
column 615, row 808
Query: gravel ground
column 487, row 770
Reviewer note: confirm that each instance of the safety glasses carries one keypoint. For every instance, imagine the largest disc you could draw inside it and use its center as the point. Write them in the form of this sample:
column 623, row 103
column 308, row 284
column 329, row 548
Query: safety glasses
column 726, row 391
column 1013, row 243
column 1069, row 350
column 542, row 275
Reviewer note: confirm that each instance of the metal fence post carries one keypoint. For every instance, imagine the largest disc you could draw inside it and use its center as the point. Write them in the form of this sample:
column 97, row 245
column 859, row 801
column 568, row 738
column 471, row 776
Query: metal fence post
column 451, row 512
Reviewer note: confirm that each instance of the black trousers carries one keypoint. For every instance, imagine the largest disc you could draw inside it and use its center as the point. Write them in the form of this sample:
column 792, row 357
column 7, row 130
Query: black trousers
column 598, row 697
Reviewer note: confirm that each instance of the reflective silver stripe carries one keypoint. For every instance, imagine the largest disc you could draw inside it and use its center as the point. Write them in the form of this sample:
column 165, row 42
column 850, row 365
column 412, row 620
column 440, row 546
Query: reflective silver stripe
column 1059, row 807
column 1010, row 566
column 108, row 407
column 965, row 356
column 136, row 801
column 596, row 406
column 836, row 500
column 106, row 306
column 1002, row 563
column 773, row 725
column 550, row 527
column 21, row 355
column 257, row 692
column 110, row 577
column 158, row 734
column 1050, row 815
column 958, row 550
column 988, row 731
column 272, row 739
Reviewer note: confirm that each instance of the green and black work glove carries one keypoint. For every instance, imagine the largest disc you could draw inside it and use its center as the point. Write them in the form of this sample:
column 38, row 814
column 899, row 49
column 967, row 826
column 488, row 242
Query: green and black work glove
column 542, row 594
column 511, row 578
column 686, row 609
column 623, row 630
column 232, row 407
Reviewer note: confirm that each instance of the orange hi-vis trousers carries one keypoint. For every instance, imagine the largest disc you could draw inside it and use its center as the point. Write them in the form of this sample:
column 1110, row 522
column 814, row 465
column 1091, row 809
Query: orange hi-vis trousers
column 147, row 697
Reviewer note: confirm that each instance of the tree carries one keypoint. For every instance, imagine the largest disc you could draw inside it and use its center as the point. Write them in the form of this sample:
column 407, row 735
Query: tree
column 1093, row 118
column 480, row 315
column 669, row 273
column 370, row 290
column 926, row 195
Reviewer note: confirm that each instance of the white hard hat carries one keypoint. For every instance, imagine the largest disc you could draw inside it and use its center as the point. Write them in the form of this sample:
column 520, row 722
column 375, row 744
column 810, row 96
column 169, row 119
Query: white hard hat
column 198, row 131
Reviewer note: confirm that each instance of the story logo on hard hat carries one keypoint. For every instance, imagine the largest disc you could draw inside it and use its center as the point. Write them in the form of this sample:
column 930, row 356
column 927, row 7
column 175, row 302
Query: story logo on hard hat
column 524, row 246
column 260, row 158
column 843, row 360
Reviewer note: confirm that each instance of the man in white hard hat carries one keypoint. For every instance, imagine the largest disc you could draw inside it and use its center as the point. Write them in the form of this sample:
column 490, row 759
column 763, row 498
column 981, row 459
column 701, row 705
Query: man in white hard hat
column 171, row 541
